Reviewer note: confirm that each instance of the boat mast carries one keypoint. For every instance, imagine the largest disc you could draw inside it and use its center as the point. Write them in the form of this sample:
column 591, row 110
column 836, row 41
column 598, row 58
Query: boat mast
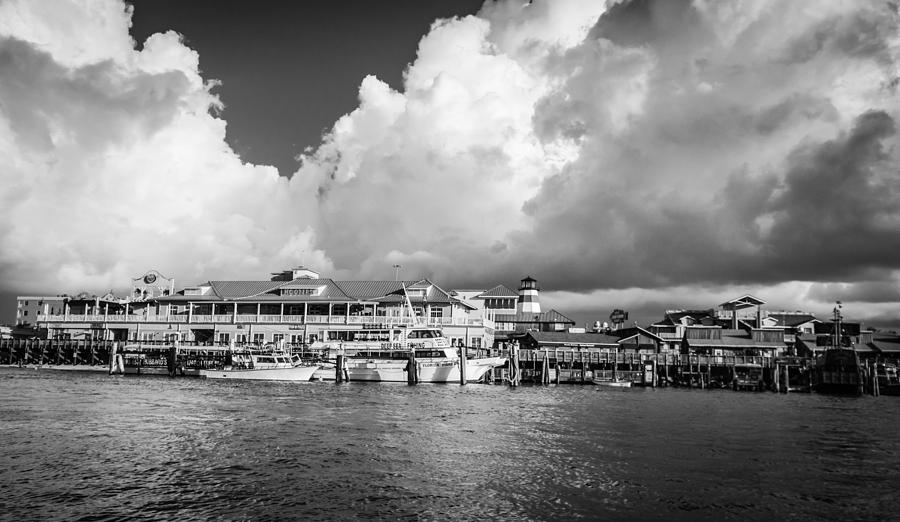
column 412, row 313
column 836, row 338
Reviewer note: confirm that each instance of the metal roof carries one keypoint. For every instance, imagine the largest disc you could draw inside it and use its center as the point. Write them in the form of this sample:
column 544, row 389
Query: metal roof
column 497, row 291
column 529, row 317
column 574, row 338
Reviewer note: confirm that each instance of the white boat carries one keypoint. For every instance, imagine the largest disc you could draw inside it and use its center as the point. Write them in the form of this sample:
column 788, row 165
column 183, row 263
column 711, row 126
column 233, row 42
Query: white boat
column 275, row 365
column 615, row 383
column 382, row 355
column 614, row 380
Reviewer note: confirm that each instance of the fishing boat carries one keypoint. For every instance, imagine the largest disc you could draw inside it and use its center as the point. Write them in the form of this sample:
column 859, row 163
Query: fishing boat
column 837, row 370
column 262, row 365
column 384, row 353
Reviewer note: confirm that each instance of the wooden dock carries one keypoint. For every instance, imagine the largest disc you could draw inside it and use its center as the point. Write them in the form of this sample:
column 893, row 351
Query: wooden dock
column 782, row 374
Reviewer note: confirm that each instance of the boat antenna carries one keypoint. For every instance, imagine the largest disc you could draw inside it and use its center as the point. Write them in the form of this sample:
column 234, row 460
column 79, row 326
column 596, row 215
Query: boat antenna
column 836, row 340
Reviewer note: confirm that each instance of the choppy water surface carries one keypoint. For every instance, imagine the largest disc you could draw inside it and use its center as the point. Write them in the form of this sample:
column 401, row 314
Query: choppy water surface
column 90, row 446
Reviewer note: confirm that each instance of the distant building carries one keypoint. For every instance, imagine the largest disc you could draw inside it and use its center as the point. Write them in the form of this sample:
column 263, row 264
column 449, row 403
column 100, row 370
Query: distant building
column 30, row 309
column 634, row 340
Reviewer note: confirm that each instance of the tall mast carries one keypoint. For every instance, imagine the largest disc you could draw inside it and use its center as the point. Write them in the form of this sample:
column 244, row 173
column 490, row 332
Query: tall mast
column 836, row 339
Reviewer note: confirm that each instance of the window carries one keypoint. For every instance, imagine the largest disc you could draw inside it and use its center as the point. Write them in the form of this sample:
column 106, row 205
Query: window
column 26, row 313
column 437, row 313
column 476, row 342
column 296, row 339
column 224, row 337
column 259, row 338
column 277, row 338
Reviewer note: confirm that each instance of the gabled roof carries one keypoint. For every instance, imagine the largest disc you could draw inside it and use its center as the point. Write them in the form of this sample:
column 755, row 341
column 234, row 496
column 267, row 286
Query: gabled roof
column 267, row 290
column 634, row 331
column 674, row 318
column 497, row 291
column 371, row 289
column 745, row 301
column 434, row 294
column 530, row 317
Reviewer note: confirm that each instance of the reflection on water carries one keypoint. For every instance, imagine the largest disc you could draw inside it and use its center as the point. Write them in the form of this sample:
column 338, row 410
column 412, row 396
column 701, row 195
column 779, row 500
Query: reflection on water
column 99, row 447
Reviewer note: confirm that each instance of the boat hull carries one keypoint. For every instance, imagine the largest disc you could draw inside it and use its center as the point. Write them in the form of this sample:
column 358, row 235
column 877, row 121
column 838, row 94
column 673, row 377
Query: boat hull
column 428, row 371
column 614, row 384
column 297, row 373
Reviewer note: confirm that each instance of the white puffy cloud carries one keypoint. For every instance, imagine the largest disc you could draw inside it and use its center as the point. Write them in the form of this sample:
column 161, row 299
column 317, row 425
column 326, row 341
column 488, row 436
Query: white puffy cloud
column 116, row 163
column 653, row 147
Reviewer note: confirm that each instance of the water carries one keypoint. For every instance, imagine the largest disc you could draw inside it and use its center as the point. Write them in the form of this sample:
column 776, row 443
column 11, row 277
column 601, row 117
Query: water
column 95, row 447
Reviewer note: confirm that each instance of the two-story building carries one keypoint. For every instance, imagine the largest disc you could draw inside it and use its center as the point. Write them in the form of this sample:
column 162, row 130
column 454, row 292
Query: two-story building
column 295, row 306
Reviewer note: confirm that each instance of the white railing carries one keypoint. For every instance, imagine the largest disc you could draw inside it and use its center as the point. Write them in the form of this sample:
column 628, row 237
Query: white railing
column 269, row 319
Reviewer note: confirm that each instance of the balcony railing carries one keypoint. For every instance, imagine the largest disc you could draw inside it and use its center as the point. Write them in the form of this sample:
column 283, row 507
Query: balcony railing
column 264, row 318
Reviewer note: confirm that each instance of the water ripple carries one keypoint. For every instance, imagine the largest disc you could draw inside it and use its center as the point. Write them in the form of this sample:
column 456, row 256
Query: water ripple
column 94, row 447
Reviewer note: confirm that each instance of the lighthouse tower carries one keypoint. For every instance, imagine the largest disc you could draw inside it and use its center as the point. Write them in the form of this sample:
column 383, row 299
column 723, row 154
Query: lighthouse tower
column 528, row 297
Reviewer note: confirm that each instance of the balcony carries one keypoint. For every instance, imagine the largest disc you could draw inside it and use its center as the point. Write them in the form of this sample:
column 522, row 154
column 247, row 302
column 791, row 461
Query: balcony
column 263, row 319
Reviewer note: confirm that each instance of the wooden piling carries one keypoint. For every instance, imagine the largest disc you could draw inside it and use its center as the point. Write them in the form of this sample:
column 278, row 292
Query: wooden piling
column 339, row 369
column 412, row 371
column 462, row 364
column 666, row 369
column 775, row 377
column 545, row 370
column 514, row 373
column 787, row 378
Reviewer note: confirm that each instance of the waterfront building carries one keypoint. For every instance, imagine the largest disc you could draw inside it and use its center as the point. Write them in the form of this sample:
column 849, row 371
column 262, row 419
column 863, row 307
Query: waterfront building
column 295, row 306
column 29, row 308
column 716, row 340
column 634, row 340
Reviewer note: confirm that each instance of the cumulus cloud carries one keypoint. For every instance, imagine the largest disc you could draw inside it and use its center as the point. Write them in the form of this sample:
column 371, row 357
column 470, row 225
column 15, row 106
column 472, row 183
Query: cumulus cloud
column 641, row 146
column 116, row 163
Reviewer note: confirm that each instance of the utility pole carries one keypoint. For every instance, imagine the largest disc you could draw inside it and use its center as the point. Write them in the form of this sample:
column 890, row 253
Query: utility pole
column 397, row 272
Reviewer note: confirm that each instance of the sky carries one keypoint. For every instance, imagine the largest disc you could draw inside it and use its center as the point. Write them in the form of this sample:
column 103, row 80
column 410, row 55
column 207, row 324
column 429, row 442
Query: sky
column 643, row 155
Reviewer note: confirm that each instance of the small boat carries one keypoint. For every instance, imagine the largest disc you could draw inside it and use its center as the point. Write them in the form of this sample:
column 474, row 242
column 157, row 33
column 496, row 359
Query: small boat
column 614, row 380
column 271, row 365
column 888, row 379
column 616, row 383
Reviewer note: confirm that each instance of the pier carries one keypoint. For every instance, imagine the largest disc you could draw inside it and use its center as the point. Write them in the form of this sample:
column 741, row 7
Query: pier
column 537, row 366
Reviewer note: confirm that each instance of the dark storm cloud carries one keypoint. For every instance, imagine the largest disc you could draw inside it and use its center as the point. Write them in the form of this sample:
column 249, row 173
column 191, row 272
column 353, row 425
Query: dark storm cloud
column 838, row 211
column 93, row 99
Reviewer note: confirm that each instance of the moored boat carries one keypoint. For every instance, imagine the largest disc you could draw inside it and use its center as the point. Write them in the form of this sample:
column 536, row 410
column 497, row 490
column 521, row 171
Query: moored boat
column 838, row 370
column 274, row 365
column 383, row 355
